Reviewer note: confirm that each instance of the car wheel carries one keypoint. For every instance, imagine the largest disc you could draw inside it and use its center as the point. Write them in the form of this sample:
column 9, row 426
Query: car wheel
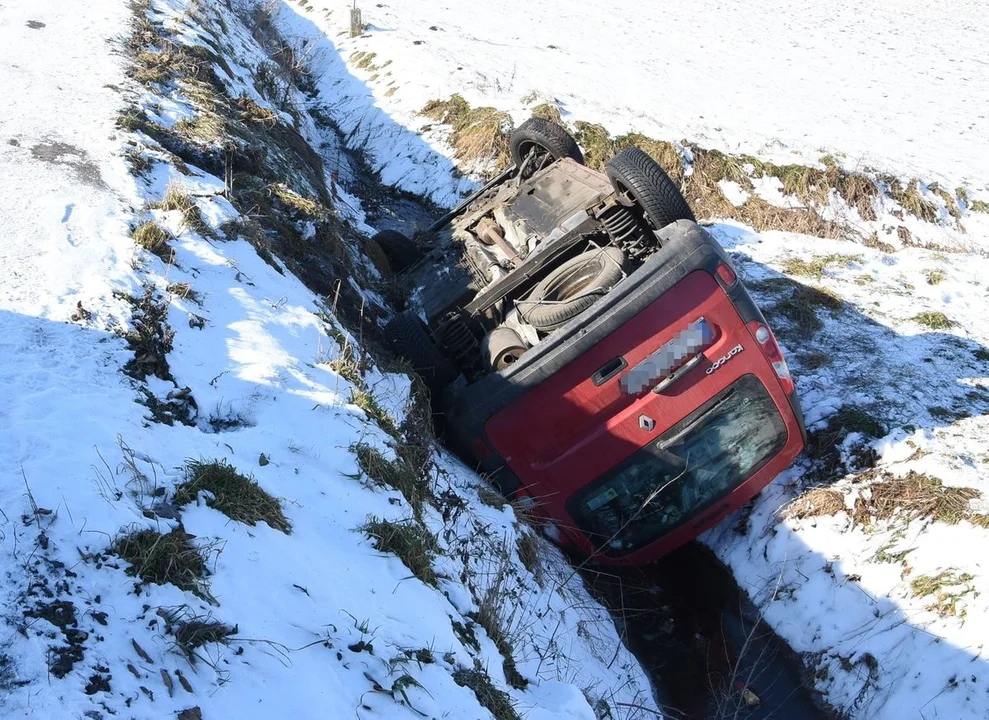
column 635, row 175
column 549, row 140
column 400, row 251
column 410, row 339
column 572, row 288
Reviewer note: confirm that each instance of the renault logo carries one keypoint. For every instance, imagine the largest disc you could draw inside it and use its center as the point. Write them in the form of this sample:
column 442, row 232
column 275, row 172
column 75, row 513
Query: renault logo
column 647, row 423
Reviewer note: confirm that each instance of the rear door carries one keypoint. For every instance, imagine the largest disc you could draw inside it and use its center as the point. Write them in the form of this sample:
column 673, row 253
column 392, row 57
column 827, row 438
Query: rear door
column 585, row 419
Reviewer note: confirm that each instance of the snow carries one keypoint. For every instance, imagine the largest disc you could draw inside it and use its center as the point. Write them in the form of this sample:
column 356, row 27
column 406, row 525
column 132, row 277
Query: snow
column 900, row 86
column 83, row 461
column 894, row 87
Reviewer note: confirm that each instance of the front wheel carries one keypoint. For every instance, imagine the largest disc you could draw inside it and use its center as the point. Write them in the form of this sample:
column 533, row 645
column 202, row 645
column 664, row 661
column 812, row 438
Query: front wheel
column 635, row 175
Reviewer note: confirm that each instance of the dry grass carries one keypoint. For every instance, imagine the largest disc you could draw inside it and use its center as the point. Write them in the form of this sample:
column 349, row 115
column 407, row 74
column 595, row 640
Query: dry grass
column 185, row 291
column 935, row 277
column 414, row 545
column 494, row 615
column 237, row 496
column 495, row 701
column 980, row 206
column 154, row 238
column 307, row 206
column 914, row 497
column 169, row 558
column 815, row 503
column 946, row 601
column 251, row 112
column 798, row 304
column 207, row 127
column 950, row 201
column 548, row 111
column 873, row 241
column 192, row 631
column 933, row 319
column 911, row 200
column 527, row 546
column 479, row 135
column 817, row 264
column 405, row 474
column 176, row 198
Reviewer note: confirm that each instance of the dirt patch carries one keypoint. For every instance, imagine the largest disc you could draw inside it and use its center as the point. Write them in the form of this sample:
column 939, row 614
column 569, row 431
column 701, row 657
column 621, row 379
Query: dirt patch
column 61, row 614
column 60, row 153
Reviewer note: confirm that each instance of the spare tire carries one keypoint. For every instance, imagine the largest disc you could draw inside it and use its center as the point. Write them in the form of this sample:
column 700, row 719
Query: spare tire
column 634, row 173
column 572, row 288
column 544, row 135
column 400, row 251
column 409, row 338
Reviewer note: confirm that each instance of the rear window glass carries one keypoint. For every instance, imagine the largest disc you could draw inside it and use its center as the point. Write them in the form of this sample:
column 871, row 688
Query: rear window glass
column 694, row 464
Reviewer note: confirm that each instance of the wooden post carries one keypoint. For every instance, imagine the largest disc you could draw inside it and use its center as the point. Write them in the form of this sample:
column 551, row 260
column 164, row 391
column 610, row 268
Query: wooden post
column 356, row 26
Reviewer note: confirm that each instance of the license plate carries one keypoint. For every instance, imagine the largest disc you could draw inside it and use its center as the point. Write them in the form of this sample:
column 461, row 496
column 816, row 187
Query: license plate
column 665, row 361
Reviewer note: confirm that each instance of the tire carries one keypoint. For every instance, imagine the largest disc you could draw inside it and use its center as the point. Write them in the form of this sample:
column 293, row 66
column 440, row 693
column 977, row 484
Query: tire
column 548, row 135
column 410, row 339
column 400, row 251
column 634, row 172
column 572, row 288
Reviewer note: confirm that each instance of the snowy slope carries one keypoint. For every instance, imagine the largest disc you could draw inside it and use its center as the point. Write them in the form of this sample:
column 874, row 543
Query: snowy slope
column 886, row 606
column 322, row 623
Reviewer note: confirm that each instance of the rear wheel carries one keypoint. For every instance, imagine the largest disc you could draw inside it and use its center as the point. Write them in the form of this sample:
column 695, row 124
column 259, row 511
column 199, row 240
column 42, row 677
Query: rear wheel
column 636, row 176
column 572, row 288
column 400, row 251
column 410, row 339
column 538, row 142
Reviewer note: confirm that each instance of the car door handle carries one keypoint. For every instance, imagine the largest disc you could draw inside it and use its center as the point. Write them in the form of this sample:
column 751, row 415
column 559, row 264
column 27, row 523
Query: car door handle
column 609, row 370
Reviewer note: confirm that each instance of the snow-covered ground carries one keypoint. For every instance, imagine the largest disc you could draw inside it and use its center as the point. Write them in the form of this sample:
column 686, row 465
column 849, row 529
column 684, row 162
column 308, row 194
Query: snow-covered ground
column 886, row 605
column 322, row 624
column 901, row 86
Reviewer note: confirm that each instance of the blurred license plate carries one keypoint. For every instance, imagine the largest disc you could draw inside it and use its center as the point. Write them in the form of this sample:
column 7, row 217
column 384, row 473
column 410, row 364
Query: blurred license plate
column 665, row 361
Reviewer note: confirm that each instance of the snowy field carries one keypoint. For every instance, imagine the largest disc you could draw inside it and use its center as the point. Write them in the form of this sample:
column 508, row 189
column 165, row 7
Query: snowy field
column 303, row 616
column 878, row 579
column 902, row 86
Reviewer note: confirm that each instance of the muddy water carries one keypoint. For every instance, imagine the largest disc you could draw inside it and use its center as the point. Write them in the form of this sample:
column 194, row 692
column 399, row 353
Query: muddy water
column 684, row 618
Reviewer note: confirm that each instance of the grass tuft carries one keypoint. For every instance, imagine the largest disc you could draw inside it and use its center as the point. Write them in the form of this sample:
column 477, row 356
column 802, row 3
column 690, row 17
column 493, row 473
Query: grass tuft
column 548, row 111
column 495, row 701
column 192, row 631
column 816, row 266
column 410, row 540
column 404, row 474
column 176, row 198
column 169, row 558
column 912, row 201
column 479, row 135
column 933, row 319
column 154, row 238
column 237, row 496
column 935, row 277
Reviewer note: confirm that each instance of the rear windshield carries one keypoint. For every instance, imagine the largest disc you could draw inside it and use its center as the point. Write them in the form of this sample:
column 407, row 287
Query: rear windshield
column 694, row 464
